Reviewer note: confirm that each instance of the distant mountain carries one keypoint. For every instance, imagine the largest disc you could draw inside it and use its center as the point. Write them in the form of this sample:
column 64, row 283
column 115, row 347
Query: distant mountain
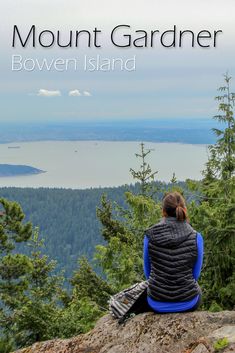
column 192, row 131
column 7, row 170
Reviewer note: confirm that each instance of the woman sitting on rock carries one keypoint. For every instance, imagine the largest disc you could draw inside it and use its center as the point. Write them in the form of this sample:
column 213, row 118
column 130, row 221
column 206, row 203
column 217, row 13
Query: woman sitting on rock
column 173, row 254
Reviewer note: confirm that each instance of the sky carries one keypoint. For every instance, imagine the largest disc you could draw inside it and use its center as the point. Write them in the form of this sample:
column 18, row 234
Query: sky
column 166, row 83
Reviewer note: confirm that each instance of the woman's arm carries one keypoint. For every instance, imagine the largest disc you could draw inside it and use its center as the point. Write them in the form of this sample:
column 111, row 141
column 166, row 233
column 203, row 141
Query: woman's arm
column 198, row 264
column 147, row 266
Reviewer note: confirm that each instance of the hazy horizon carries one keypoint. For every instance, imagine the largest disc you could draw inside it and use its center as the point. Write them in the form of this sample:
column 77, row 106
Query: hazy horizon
column 190, row 131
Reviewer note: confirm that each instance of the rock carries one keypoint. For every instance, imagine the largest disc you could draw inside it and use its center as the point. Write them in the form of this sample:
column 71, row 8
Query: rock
column 225, row 331
column 230, row 349
column 200, row 349
column 145, row 333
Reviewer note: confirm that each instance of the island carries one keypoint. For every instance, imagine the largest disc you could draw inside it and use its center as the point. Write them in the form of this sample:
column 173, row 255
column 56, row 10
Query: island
column 7, row 170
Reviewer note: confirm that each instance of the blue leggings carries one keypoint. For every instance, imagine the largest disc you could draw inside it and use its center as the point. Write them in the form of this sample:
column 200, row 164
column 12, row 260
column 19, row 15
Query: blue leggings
column 142, row 306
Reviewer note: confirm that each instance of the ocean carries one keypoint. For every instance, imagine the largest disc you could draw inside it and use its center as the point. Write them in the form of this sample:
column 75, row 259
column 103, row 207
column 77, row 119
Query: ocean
column 86, row 164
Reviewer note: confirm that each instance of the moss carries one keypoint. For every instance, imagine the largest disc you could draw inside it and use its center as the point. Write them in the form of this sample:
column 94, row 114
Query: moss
column 221, row 344
column 215, row 307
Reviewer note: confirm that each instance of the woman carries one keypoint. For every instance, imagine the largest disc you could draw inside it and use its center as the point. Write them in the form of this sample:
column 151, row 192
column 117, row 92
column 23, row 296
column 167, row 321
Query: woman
column 173, row 254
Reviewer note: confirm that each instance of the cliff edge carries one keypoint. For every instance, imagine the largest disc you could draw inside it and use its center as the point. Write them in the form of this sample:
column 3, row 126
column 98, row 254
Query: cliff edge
column 195, row 332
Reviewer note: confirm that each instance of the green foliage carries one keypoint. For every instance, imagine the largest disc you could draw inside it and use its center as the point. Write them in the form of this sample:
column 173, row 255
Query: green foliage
column 214, row 216
column 117, row 264
column 35, row 307
column 221, row 344
column 34, row 322
column 123, row 229
column 174, row 186
column 66, row 219
column 87, row 302
column 34, row 317
column 29, row 294
column 223, row 161
column 12, row 228
column 78, row 317
column 144, row 175
column 211, row 212
column 214, row 307
column 14, row 267
column 111, row 227
column 6, row 345
column 174, row 179
column 87, row 284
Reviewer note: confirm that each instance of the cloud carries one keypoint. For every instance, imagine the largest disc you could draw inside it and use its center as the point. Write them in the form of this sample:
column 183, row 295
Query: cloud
column 57, row 93
column 74, row 93
column 77, row 93
column 47, row 93
column 86, row 93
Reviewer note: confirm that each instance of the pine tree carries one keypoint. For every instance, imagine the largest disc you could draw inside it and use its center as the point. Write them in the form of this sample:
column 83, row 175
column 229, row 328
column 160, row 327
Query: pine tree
column 79, row 316
column 123, row 229
column 86, row 283
column 215, row 216
column 12, row 228
column 34, row 305
column 87, row 302
column 145, row 175
column 35, row 316
column 13, row 267
column 6, row 344
column 224, row 149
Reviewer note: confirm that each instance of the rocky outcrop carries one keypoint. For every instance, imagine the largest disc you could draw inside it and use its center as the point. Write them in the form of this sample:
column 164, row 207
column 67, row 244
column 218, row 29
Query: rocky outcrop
column 194, row 332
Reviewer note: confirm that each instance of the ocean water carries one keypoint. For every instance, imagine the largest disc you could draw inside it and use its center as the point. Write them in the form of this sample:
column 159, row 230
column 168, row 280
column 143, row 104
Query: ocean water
column 85, row 164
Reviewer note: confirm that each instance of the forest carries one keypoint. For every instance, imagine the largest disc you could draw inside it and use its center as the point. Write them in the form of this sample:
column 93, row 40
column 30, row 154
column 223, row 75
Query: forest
column 108, row 226
column 66, row 219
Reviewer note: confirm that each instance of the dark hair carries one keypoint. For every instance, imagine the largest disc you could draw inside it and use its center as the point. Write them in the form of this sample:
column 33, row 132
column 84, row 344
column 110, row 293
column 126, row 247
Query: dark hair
column 173, row 205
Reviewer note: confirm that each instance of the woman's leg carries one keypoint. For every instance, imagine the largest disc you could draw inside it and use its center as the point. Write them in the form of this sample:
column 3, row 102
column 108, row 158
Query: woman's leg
column 141, row 305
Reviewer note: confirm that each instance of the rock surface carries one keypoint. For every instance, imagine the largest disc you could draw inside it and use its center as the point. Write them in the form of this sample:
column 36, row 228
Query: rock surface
column 148, row 333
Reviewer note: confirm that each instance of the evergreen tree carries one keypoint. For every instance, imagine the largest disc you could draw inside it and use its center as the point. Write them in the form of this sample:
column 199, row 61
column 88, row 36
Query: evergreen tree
column 87, row 302
column 215, row 216
column 123, row 229
column 13, row 267
column 34, row 306
column 6, row 344
column 145, row 175
column 79, row 316
column 223, row 160
column 87, row 284
column 12, row 228
column 35, row 316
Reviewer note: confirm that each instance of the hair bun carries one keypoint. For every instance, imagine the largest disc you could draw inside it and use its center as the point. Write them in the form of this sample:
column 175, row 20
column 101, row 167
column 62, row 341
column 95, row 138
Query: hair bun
column 180, row 213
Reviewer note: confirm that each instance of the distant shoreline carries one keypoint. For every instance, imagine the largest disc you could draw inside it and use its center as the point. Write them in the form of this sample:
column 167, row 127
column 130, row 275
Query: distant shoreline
column 12, row 170
column 102, row 140
column 169, row 131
